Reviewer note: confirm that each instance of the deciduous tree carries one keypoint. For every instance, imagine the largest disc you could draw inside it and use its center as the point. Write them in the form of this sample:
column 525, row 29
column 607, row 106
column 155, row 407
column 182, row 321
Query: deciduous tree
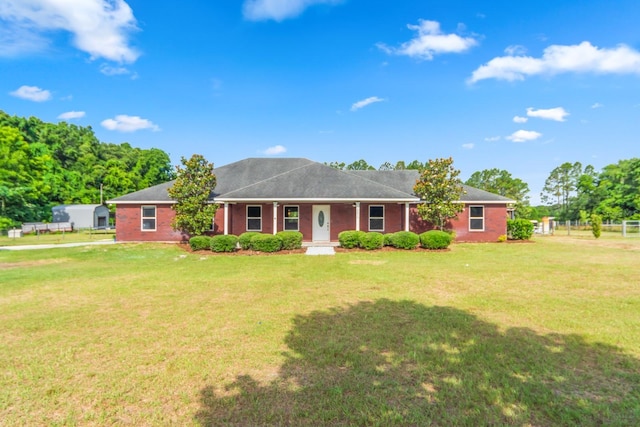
column 561, row 185
column 359, row 165
column 499, row 181
column 192, row 190
column 440, row 189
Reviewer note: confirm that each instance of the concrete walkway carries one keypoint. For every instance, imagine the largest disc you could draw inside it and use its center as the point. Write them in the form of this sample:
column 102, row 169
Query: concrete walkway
column 56, row 245
column 320, row 250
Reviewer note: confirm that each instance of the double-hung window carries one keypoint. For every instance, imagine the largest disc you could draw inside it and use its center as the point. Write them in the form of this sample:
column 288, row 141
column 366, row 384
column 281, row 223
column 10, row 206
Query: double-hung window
column 476, row 218
column 376, row 218
column 254, row 218
column 291, row 218
column 148, row 216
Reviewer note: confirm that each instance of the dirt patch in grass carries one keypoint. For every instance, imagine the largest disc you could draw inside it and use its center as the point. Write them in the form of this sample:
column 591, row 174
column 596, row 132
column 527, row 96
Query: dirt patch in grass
column 367, row 262
column 33, row 263
column 629, row 244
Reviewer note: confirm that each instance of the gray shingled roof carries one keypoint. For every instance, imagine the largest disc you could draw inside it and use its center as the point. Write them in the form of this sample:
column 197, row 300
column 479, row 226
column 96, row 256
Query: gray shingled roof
column 313, row 181
column 157, row 193
column 302, row 179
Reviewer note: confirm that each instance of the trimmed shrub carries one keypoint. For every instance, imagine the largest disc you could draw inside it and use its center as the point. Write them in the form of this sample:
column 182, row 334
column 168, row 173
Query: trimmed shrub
column 290, row 239
column 245, row 239
column 200, row 243
column 519, row 229
column 372, row 240
column 596, row 225
column 405, row 240
column 224, row 243
column 435, row 239
column 388, row 239
column 266, row 243
column 350, row 239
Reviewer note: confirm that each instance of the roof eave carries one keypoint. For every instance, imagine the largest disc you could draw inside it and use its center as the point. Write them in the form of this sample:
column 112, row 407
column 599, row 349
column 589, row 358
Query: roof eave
column 141, row 202
column 314, row 200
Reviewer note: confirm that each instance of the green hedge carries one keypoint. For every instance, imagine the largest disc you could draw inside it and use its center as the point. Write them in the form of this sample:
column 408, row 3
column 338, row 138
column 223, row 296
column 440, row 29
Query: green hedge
column 372, row 240
column 290, row 239
column 266, row 243
column 405, row 240
column 388, row 239
column 224, row 243
column 519, row 229
column 200, row 243
column 435, row 239
column 350, row 239
column 245, row 239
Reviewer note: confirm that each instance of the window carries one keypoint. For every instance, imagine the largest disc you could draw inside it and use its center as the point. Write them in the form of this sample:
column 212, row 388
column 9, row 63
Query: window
column 291, row 218
column 376, row 218
column 476, row 218
column 148, row 218
column 254, row 218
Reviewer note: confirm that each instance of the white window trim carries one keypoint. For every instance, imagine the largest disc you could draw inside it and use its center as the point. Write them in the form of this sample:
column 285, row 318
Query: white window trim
column 284, row 218
column 154, row 217
column 253, row 217
column 477, row 217
column 377, row 217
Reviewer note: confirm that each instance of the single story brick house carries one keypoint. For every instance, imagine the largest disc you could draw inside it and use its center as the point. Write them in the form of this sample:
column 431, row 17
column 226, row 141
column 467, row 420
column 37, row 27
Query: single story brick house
column 274, row 194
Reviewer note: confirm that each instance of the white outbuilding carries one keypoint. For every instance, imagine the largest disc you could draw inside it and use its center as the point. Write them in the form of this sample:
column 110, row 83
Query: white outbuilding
column 82, row 216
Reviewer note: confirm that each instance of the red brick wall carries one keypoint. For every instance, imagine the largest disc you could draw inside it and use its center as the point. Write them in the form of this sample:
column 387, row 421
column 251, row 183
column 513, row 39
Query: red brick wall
column 342, row 218
column 495, row 224
column 129, row 224
column 128, row 221
column 393, row 216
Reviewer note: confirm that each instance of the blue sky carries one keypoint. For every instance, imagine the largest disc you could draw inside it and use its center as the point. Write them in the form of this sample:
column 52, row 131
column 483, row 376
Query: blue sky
column 521, row 86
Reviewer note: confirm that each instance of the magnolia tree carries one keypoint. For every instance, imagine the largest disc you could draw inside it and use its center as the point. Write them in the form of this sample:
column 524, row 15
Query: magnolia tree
column 440, row 189
column 194, row 183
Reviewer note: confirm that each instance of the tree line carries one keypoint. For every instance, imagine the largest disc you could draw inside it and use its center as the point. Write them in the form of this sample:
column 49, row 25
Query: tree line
column 571, row 192
column 47, row 164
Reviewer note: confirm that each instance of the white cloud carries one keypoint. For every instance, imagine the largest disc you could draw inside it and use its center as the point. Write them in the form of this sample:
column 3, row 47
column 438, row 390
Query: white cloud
column 515, row 49
column 524, row 136
column 468, row 146
column 72, row 115
column 124, row 123
column 99, row 27
column 597, row 105
column 492, row 138
column 556, row 59
column 361, row 104
column 109, row 70
column 430, row 41
column 278, row 10
column 15, row 41
column 518, row 119
column 31, row 93
column 557, row 114
column 275, row 150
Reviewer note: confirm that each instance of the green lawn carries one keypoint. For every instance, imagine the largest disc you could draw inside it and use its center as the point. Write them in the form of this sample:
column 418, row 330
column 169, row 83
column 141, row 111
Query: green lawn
column 543, row 333
column 53, row 238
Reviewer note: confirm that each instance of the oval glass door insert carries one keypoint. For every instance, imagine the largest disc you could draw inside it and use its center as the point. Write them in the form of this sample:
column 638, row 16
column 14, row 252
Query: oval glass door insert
column 321, row 218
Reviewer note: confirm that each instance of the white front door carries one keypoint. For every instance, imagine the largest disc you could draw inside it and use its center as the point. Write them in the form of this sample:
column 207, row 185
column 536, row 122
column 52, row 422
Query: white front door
column 321, row 217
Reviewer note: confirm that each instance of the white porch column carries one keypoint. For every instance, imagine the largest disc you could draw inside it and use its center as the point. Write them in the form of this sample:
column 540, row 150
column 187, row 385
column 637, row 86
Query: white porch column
column 357, row 216
column 406, row 217
column 275, row 217
column 226, row 217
